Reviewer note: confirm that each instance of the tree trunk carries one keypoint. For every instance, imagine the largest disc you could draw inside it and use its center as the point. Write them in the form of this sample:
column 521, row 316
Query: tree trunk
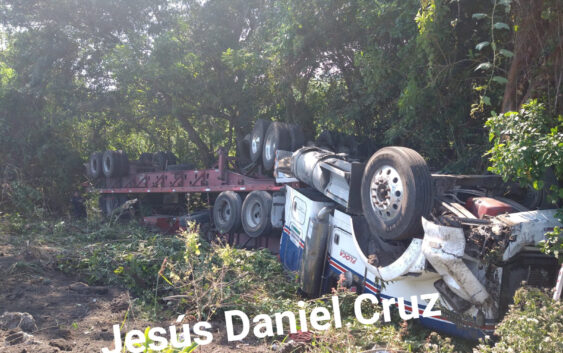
column 528, row 75
column 205, row 153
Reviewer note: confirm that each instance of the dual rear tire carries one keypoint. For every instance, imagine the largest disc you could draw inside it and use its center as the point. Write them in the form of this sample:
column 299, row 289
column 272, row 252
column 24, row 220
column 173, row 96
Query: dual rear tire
column 115, row 163
column 231, row 214
column 268, row 137
column 109, row 164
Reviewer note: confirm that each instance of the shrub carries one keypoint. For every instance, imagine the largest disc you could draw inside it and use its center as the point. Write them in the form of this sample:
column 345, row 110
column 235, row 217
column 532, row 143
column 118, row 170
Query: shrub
column 213, row 277
column 525, row 145
column 533, row 324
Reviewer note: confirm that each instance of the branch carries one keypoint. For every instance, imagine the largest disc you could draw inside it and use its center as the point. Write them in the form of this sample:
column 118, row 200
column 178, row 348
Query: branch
column 206, row 155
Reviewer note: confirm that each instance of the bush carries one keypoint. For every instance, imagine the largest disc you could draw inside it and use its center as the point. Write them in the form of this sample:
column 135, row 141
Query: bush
column 526, row 144
column 213, row 277
column 129, row 256
column 533, row 324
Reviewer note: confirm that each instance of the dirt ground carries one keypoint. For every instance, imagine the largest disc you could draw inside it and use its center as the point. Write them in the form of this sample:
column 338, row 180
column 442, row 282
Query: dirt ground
column 69, row 315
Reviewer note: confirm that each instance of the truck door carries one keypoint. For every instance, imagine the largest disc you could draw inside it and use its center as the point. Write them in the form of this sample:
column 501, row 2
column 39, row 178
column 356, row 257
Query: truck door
column 292, row 244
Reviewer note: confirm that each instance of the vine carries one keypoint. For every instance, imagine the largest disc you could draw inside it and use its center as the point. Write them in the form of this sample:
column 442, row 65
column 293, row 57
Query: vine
column 497, row 55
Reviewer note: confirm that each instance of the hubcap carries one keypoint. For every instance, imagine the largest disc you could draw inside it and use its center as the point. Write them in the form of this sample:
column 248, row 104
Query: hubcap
column 255, row 143
column 386, row 192
column 225, row 212
column 254, row 215
column 269, row 147
column 107, row 164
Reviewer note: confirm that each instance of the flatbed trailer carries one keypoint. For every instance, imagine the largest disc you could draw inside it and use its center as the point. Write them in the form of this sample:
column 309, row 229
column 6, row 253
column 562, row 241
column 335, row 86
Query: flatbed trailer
column 213, row 180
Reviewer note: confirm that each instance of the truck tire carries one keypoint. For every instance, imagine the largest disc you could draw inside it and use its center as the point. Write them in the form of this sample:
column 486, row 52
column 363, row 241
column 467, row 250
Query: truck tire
column 171, row 158
column 243, row 151
column 296, row 136
column 109, row 203
column 146, row 159
column 255, row 215
column 277, row 137
column 95, row 165
column 227, row 211
column 396, row 192
column 159, row 160
column 257, row 139
column 123, row 163
column 111, row 163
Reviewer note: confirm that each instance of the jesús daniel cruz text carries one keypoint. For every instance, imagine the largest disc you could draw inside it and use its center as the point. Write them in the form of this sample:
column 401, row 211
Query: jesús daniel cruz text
column 239, row 325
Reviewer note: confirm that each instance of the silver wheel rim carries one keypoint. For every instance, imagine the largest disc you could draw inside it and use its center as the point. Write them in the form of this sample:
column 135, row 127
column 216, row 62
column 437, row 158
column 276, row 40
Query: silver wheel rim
column 386, row 192
column 225, row 212
column 253, row 215
column 111, row 205
column 269, row 148
column 107, row 164
column 255, row 143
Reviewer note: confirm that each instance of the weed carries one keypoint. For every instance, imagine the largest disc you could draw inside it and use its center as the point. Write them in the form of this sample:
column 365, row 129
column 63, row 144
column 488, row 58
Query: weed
column 211, row 278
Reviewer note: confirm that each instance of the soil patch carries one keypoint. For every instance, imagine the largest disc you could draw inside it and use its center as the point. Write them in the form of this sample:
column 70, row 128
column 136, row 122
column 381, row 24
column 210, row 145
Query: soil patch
column 71, row 316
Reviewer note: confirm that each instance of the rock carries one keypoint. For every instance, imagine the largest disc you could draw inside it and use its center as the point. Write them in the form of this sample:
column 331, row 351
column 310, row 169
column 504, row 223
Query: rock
column 79, row 287
column 275, row 347
column 119, row 304
column 103, row 336
column 64, row 333
column 61, row 344
column 84, row 288
column 293, row 347
column 17, row 338
column 13, row 320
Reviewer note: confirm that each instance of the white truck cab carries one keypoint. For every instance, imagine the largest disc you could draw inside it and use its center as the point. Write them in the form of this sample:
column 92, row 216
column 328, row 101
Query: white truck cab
column 474, row 263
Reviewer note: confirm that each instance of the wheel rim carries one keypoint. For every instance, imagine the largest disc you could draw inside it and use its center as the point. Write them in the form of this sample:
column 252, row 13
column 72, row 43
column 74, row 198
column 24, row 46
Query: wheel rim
column 386, row 191
column 224, row 212
column 107, row 164
column 111, row 205
column 94, row 165
column 255, row 143
column 254, row 215
column 269, row 147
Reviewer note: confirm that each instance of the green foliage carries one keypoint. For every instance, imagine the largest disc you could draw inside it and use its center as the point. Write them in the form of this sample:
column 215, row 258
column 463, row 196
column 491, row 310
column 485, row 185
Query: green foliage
column 212, row 278
column 533, row 324
column 525, row 145
column 192, row 76
column 125, row 255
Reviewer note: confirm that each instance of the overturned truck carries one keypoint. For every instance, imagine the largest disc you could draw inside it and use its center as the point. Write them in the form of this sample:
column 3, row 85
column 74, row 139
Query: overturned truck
column 391, row 228
column 387, row 226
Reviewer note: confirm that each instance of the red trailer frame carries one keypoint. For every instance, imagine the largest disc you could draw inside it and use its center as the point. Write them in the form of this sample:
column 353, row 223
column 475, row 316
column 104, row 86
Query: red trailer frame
column 213, row 180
